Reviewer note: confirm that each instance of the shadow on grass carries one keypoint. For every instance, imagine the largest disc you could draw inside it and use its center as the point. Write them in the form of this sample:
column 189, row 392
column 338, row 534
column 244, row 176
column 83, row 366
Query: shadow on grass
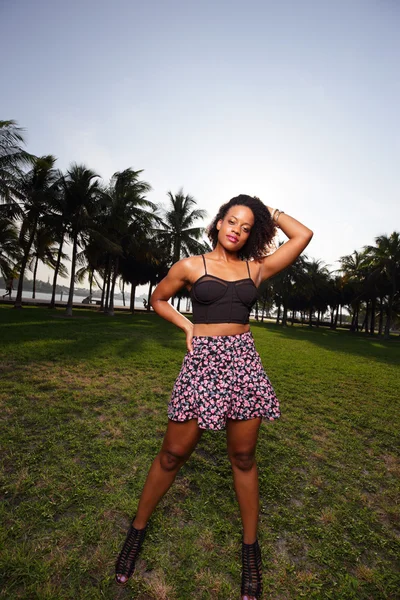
column 386, row 351
column 42, row 333
column 35, row 334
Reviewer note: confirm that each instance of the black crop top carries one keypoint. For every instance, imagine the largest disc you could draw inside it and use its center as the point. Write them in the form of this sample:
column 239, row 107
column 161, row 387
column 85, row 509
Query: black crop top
column 216, row 300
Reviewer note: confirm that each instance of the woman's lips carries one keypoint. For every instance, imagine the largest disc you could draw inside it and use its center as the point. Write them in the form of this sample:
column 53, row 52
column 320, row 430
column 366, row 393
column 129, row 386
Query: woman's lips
column 232, row 238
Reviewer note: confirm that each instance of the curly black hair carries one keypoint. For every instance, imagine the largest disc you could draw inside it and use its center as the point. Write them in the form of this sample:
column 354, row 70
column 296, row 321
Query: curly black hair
column 262, row 233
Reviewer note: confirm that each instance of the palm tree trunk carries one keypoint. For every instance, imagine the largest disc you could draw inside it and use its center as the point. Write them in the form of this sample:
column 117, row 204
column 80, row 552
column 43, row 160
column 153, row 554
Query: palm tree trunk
column 354, row 320
column 177, row 249
column 355, row 328
column 284, row 317
column 68, row 310
column 18, row 299
column 149, row 296
column 389, row 310
column 263, row 310
column 123, row 292
column 256, row 311
column 357, row 315
column 373, row 311
column 108, row 290
column 380, row 315
column 336, row 316
column 179, row 304
column 53, row 294
column 34, row 277
column 310, row 316
column 133, row 292
column 364, row 324
column 110, row 311
column 278, row 316
column 109, row 270
column 103, row 290
column 366, row 318
column 90, row 285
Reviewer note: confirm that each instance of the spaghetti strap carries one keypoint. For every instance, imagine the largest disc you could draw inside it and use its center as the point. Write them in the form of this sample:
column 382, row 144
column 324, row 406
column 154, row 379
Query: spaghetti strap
column 248, row 269
column 204, row 261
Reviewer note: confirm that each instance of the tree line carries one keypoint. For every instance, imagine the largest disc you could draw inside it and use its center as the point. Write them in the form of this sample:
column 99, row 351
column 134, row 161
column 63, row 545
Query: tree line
column 118, row 236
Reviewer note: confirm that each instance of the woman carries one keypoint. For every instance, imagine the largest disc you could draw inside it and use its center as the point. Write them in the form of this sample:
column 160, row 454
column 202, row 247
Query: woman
column 222, row 383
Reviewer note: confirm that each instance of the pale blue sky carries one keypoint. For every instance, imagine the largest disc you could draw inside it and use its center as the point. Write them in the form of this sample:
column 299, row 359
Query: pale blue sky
column 295, row 101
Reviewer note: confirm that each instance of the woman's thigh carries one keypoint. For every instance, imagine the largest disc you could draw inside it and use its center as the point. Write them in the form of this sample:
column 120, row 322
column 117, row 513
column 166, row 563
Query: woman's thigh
column 181, row 438
column 241, row 436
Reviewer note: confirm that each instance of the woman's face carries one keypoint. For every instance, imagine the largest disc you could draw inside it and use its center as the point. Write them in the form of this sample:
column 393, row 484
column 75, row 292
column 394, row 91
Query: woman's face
column 234, row 229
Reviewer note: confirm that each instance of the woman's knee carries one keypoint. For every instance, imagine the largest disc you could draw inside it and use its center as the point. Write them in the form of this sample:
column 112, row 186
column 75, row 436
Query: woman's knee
column 244, row 461
column 171, row 460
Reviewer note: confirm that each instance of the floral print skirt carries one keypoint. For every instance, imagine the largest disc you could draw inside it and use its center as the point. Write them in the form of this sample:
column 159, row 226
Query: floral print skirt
column 222, row 378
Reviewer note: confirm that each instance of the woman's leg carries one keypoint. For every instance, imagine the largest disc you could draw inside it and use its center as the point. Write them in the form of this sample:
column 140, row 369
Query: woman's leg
column 242, row 442
column 179, row 442
column 241, row 439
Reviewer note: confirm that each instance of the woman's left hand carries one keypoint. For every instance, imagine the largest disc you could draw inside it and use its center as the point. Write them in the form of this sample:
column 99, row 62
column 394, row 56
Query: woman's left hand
column 189, row 338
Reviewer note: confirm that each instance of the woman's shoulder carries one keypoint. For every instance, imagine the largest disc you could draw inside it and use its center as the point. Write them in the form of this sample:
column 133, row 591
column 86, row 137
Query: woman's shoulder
column 189, row 262
column 187, row 267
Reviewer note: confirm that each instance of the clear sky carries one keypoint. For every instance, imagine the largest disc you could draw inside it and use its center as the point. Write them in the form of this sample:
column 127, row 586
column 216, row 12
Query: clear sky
column 295, row 101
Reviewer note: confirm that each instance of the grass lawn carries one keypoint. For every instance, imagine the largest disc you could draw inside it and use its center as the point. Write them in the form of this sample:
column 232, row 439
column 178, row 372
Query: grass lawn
column 83, row 412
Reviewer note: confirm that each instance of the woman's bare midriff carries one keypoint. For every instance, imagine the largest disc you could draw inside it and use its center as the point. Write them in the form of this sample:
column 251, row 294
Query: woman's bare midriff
column 211, row 329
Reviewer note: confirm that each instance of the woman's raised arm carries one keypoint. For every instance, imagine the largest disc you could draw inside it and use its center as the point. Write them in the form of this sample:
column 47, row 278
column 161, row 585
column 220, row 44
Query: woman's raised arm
column 299, row 237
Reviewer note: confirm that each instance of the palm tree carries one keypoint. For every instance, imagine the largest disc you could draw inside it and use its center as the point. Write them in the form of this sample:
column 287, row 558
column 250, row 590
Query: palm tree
column 374, row 284
column 159, row 262
column 44, row 250
column 178, row 232
column 134, row 269
column 12, row 159
column 284, row 282
column 396, row 310
column 335, row 297
column 316, row 282
column 58, row 221
column 92, row 258
column 386, row 259
column 126, row 216
column 38, row 188
column 298, row 301
column 355, row 268
column 10, row 252
column 82, row 195
column 265, row 294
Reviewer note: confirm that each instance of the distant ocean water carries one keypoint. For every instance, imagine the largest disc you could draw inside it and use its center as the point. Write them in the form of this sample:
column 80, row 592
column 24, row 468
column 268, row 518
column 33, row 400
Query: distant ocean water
column 76, row 299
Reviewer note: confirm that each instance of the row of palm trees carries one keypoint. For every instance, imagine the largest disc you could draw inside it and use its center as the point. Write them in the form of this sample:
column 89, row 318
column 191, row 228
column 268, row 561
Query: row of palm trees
column 114, row 230
column 118, row 235
column 367, row 285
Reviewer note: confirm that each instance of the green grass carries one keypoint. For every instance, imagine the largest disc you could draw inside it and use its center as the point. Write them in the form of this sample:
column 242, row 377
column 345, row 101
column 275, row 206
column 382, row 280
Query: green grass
column 83, row 412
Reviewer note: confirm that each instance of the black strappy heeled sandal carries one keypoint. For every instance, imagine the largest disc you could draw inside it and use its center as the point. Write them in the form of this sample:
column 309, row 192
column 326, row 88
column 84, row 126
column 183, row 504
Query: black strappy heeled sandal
column 251, row 570
column 126, row 560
